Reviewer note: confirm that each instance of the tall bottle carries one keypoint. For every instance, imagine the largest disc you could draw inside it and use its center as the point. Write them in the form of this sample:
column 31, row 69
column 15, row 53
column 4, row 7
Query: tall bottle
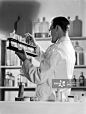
column 74, row 81
column 79, row 54
column 37, row 28
column 81, row 79
column 21, row 26
column 6, row 81
column 77, row 27
column 44, row 27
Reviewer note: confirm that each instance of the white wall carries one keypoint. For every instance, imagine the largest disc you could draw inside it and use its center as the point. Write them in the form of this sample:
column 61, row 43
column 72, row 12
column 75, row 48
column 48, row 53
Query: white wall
column 51, row 8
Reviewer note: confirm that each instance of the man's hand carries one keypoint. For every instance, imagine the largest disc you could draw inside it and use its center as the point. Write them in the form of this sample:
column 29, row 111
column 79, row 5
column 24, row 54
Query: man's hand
column 22, row 55
column 30, row 39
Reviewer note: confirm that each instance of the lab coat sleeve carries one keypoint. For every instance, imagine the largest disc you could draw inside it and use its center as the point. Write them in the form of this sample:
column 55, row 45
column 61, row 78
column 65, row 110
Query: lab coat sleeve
column 39, row 52
column 40, row 74
column 31, row 72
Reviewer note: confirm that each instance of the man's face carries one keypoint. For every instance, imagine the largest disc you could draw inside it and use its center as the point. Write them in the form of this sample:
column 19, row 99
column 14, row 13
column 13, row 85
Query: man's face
column 54, row 33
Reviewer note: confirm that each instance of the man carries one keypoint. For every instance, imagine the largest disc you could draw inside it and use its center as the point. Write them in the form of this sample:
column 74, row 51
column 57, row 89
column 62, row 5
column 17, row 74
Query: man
column 56, row 63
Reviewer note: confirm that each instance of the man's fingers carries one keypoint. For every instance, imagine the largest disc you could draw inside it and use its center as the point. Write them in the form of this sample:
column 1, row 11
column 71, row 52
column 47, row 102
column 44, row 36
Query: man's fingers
column 27, row 34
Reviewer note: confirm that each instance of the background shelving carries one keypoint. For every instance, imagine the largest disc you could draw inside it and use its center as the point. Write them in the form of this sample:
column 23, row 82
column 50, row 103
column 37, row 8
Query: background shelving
column 19, row 67
column 3, row 67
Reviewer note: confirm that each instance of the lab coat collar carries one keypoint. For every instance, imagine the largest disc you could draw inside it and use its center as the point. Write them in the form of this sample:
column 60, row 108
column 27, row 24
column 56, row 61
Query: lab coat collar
column 66, row 38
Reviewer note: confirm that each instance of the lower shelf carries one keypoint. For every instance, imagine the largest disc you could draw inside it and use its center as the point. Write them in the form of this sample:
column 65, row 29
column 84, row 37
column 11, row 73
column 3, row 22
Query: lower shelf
column 33, row 88
column 16, row 88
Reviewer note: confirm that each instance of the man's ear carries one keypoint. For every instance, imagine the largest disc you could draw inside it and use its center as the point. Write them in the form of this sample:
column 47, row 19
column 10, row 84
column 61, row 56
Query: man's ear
column 57, row 27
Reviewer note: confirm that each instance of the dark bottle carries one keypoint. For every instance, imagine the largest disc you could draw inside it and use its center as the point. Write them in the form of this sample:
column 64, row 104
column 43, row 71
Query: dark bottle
column 81, row 80
column 15, row 24
column 21, row 90
column 74, row 81
column 21, row 26
column 77, row 27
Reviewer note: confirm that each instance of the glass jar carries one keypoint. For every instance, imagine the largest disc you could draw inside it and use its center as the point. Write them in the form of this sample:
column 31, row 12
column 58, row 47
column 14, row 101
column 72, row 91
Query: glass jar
column 79, row 52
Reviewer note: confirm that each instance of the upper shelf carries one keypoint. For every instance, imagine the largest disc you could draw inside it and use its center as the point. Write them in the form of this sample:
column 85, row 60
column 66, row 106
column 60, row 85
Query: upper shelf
column 49, row 38
column 19, row 67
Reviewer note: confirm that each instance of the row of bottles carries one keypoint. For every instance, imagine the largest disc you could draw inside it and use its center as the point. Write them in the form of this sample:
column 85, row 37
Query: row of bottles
column 80, row 81
column 9, row 79
column 12, row 80
column 41, row 29
column 75, row 27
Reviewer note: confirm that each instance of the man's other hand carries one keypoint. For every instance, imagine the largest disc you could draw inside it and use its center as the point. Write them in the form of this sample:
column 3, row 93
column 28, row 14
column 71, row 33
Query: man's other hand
column 22, row 55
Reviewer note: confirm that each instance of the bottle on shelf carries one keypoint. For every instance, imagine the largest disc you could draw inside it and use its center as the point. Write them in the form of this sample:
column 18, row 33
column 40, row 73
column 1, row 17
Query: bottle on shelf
column 37, row 24
column 6, row 81
column 9, row 79
column 44, row 28
column 20, row 92
column 21, row 78
column 74, row 81
column 71, row 27
column 81, row 79
column 21, row 26
column 12, row 80
column 77, row 27
column 79, row 52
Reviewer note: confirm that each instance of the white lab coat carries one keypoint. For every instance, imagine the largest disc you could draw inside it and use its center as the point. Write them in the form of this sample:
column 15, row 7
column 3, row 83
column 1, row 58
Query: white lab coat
column 56, row 63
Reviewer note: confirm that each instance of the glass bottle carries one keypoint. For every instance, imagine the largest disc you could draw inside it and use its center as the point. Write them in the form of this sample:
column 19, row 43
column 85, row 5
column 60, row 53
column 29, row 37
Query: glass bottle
column 79, row 52
column 81, row 80
column 74, row 81
column 21, row 26
column 37, row 28
column 12, row 79
column 6, row 81
column 44, row 27
column 77, row 27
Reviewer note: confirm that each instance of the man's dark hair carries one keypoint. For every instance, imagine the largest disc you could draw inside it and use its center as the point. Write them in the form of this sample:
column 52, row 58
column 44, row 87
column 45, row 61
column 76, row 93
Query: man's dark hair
column 62, row 22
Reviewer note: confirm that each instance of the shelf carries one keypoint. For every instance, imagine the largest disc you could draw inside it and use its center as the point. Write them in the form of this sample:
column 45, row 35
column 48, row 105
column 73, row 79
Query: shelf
column 78, row 38
column 17, row 88
column 11, row 67
column 19, row 67
column 49, row 38
column 80, row 66
column 43, row 39
column 78, row 88
column 34, row 87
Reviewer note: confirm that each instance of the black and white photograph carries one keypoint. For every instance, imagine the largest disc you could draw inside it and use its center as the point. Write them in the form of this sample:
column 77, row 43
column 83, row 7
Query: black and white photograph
column 42, row 56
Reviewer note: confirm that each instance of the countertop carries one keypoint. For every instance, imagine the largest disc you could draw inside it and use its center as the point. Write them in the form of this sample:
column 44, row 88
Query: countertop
column 24, row 107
